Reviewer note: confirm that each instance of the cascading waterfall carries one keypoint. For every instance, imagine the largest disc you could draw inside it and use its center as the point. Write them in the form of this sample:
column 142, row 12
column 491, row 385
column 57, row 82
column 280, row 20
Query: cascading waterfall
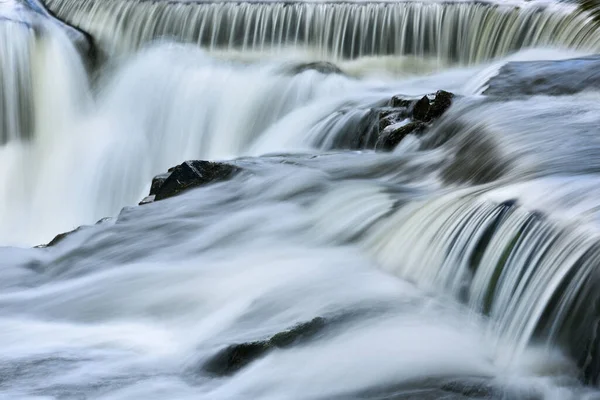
column 462, row 264
column 16, row 100
column 462, row 33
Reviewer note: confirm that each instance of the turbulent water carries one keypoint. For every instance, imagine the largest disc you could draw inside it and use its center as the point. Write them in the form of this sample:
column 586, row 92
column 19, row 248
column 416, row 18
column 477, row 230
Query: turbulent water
column 462, row 265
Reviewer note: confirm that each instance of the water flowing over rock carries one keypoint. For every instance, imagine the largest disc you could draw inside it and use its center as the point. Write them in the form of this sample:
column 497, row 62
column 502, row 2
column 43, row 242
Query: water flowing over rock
column 553, row 78
column 391, row 200
column 451, row 32
column 237, row 356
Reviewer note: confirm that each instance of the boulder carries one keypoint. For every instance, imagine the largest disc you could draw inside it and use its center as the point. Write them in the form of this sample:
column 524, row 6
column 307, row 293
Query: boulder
column 188, row 175
column 405, row 116
column 236, row 356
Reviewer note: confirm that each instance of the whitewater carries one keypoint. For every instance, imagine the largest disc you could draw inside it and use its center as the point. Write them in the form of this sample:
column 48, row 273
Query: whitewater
column 463, row 264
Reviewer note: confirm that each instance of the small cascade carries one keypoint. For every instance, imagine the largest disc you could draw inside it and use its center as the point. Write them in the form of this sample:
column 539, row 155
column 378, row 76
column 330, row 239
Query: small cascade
column 16, row 92
column 463, row 33
column 33, row 46
column 534, row 276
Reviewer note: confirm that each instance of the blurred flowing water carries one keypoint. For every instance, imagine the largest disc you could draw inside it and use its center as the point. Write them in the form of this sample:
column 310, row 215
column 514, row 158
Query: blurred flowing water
column 462, row 265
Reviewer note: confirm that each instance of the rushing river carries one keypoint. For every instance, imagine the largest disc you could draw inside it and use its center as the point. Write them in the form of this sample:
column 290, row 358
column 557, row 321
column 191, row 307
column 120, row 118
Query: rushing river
column 461, row 265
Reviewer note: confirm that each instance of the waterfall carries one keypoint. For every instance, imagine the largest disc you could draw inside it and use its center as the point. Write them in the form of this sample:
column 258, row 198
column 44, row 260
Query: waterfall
column 535, row 278
column 461, row 264
column 464, row 33
column 34, row 50
column 16, row 40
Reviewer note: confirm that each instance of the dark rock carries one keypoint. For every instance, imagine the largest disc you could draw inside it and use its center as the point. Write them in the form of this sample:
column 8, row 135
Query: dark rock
column 387, row 118
column 392, row 137
column 400, row 102
column 420, row 113
column 421, row 109
column 191, row 174
column 237, row 356
column 319, row 66
column 158, row 181
column 298, row 333
column 441, row 103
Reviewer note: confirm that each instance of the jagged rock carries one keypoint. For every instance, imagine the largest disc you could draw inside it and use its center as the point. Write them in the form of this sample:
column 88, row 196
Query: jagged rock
column 409, row 115
column 400, row 102
column 191, row 174
column 237, row 356
column 441, row 103
column 390, row 117
column 392, row 136
column 421, row 109
column 158, row 181
column 319, row 66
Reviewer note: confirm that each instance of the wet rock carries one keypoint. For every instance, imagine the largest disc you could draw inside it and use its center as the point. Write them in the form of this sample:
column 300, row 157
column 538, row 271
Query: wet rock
column 421, row 109
column 237, row 356
column 441, row 103
column 552, row 78
column 158, row 181
column 191, row 174
column 406, row 116
column 400, row 102
column 319, row 66
column 392, row 136
column 390, row 117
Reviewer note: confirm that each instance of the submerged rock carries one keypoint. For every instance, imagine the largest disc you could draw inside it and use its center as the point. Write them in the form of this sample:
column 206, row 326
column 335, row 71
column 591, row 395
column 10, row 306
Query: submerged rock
column 188, row 175
column 237, row 356
column 62, row 236
column 58, row 238
column 552, row 78
column 319, row 66
column 460, row 388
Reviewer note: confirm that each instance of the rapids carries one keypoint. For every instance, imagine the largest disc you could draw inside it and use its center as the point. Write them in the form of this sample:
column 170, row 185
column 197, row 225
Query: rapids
column 462, row 265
